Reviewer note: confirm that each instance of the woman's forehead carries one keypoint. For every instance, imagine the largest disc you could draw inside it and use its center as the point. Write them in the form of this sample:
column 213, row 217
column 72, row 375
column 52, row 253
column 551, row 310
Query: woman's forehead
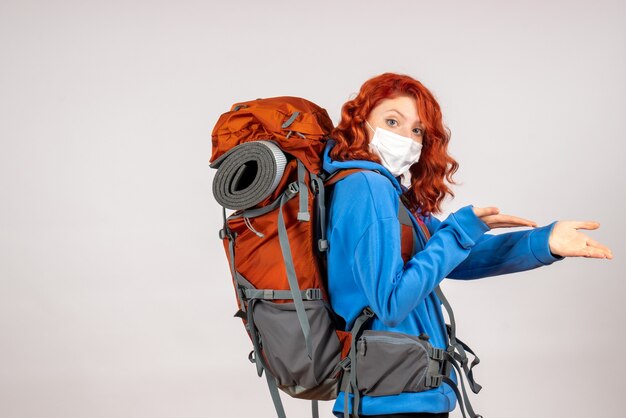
column 405, row 106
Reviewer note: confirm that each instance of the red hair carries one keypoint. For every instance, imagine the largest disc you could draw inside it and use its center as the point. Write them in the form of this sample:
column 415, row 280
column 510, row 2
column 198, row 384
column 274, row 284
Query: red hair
column 435, row 165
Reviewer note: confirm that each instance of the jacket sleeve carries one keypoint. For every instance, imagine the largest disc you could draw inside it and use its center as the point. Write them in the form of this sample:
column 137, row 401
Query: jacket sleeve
column 504, row 253
column 392, row 288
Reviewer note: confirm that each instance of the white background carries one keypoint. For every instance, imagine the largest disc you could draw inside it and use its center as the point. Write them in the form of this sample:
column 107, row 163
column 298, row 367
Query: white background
column 115, row 296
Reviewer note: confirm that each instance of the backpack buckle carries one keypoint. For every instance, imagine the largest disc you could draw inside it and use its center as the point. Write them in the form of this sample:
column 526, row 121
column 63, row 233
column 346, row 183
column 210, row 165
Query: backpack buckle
column 322, row 245
column 368, row 312
column 433, row 381
column 292, row 189
column 437, row 353
column 313, row 294
column 314, row 187
column 241, row 293
column 227, row 233
column 345, row 364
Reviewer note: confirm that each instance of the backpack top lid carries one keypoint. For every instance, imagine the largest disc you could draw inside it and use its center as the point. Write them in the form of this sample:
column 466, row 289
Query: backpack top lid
column 298, row 126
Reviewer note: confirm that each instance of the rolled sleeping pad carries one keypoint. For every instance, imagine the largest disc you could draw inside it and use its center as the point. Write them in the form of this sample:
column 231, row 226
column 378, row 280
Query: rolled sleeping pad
column 247, row 174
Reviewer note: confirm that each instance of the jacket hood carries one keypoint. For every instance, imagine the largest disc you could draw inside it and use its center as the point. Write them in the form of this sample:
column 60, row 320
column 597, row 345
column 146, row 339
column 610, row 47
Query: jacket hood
column 331, row 166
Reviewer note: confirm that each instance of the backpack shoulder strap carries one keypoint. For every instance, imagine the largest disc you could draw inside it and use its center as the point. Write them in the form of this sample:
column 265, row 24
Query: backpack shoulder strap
column 423, row 226
column 338, row 175
column 459, row 348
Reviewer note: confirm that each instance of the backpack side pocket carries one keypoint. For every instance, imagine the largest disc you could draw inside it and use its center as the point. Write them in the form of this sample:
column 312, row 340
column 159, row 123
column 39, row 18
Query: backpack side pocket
column 285, row 353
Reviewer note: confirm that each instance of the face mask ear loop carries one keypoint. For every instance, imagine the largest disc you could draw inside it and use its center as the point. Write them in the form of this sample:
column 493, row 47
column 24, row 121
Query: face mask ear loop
column 370, row 126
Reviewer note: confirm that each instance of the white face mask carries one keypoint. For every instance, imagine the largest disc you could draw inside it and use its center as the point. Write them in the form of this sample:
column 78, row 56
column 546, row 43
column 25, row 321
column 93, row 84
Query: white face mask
column 397, row 152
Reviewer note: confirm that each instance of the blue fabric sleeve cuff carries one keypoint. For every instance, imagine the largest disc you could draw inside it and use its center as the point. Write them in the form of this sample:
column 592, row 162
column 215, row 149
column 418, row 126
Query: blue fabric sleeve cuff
column 540, row 246
column 471, row 224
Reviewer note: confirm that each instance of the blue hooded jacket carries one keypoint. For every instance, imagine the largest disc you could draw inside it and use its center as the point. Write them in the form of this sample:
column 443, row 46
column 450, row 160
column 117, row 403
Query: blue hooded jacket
column 365, row 268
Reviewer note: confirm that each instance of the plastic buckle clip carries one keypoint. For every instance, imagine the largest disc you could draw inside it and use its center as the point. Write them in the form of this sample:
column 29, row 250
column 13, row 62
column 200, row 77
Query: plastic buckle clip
column 345, row 363
column 314, row 187
column 227, row 233
column 433, row 381
column 437, row 353
column 241, row 292
column 313, row 294
column 292, row 189
column 367, row 311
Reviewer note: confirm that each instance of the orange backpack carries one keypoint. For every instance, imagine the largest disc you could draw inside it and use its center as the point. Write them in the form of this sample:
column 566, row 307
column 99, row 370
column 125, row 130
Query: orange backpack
column 268, row 156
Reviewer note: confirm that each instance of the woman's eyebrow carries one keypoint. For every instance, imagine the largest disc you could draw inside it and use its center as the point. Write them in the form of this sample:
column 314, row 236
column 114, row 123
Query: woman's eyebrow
column 404, row 117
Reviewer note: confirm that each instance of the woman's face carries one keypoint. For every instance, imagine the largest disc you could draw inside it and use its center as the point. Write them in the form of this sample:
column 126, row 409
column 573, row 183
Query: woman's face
column 398, row 115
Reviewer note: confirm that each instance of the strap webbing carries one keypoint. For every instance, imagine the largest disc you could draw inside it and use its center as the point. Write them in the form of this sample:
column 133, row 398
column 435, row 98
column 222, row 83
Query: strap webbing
column 463, row 400
column 289, row 121
column 365, row 316
column 231, row 254
column 253, row 213
column 403, row 217
column 278, row 404
column 271, row 294
column 291, row 271
column 315, row 411
column 457, row 345
column 303, row 212
column 340, row 174
column 469, row 372
column 452, row 328
column 258, row 358
column 322, row 243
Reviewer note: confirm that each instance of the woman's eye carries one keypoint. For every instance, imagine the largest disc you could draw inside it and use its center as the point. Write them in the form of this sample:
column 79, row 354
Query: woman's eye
column 418, row 131
column 391, row 122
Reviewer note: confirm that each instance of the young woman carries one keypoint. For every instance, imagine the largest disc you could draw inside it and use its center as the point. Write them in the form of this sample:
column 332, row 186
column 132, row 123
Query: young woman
column 394, row 125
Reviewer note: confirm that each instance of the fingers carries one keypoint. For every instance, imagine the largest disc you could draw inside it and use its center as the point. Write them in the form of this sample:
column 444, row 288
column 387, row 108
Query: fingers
column 516, row 220
column 592, row 252
column 507, row 221
column 491, row 210
column 603, row 248
column 594, row 243
column 586, row 225
column 593, row 249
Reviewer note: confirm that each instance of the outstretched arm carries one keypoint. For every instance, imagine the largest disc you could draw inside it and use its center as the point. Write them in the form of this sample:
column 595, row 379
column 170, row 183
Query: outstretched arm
column 524, row 250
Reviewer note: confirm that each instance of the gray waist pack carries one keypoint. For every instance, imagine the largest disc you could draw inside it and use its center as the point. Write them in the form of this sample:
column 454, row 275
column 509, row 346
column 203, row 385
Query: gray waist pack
column 389, row 363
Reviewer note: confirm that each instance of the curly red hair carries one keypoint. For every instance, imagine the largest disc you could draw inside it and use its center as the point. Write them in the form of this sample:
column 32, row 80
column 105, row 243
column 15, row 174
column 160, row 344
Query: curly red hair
column 435, row 165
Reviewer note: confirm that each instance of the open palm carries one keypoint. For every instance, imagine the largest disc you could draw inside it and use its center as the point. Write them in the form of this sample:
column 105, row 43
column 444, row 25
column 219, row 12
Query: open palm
column 565, row 240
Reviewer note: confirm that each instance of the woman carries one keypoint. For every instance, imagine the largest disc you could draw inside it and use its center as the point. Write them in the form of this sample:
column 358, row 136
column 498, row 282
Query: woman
column 394, row 125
